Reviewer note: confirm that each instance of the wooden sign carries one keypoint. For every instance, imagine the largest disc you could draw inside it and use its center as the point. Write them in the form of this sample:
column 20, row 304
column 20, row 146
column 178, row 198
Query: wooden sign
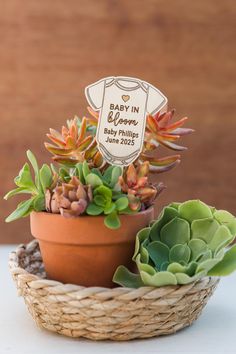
column 123, row 103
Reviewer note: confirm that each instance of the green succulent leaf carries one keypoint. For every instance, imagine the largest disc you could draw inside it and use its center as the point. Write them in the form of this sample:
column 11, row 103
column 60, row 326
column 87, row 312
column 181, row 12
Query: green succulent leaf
column 204, row 229
column 39, row 203
column 223, row 216
column 176, row 231
column 93, row 209
column 86, row 169
column 164, row 266
column 99, row 200
column 93, row 180
column 144, row 266
column 104, row 191
column 180, row 253
column 97, row 172
column 144, row 255
column 194, row 209
column 53, row 168
column 141, row 236
column 159, row 279
column 232, row 227
column 165, row 216
column 227, row 265
column 45, row 174
column 117, row 194
column 33, row 161
column 64, row 174
column 184, row 279
column 122, row 203
column 191, row 268
column 198, row 247
column 19, row 190
column 227, row 219
column 22, row 210
column 176, row 268
column 24, row 179
column 107, row 174
column 221, row 239
column 112, row 221
column 125, row 278
column 159, row 253
column 205, row 256
column 80, row 173
column 207, row 265
column 116, row 173
column 109, row 208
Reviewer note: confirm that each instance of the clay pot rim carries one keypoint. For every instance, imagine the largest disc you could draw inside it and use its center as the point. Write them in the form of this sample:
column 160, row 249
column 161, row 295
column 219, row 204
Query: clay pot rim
column 54, row 228
column 102, row 216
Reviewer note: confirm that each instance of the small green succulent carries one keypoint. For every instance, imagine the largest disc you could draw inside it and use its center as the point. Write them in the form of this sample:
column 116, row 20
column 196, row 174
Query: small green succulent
column 185, row 243
column 104, row 203
column 107, row 196
column 27, row 185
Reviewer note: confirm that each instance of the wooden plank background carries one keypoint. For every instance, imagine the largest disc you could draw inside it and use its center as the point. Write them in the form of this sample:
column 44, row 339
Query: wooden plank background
column 50, row 50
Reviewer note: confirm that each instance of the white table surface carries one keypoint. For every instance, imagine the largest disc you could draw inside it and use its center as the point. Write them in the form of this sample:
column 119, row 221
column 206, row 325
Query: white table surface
column 213, row 332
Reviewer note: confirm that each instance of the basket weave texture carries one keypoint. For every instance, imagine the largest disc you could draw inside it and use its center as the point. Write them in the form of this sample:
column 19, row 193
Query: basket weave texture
column 100, row 313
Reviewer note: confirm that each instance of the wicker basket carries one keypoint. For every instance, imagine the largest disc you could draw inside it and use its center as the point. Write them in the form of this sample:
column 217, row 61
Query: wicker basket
column 101, row 313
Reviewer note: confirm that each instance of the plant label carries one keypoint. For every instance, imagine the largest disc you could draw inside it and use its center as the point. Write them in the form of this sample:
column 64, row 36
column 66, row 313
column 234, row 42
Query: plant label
column 123, row 104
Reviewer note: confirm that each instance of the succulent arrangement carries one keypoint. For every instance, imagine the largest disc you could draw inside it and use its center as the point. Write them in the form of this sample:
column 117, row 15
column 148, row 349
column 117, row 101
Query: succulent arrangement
column 187, row 242
column 83, row 183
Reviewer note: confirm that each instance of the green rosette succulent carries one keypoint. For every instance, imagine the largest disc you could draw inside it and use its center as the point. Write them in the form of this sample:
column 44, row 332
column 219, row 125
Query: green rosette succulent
column 107, row 196
column 185, row 243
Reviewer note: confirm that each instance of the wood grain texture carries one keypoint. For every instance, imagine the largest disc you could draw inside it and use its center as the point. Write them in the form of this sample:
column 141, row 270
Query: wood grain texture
column 51, row 50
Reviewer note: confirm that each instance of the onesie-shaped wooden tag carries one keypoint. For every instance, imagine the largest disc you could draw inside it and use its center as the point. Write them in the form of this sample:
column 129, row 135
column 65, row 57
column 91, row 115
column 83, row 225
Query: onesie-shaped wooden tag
column 123, row 104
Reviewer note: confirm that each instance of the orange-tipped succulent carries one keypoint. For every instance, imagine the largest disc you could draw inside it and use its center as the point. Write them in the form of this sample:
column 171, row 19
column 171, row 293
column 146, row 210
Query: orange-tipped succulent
column 160, row 130
column 134, row 182
column 74, row 144
column 93, row 120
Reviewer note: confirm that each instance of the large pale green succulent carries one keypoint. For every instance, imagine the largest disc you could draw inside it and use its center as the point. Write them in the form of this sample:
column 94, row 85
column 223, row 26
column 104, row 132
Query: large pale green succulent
column 185, row 243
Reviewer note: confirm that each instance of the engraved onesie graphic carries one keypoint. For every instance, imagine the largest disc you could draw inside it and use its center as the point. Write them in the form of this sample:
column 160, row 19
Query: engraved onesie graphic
column 123, row 103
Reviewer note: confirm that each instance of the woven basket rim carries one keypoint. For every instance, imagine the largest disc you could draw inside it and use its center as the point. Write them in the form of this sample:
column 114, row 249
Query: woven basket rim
column 15, row 267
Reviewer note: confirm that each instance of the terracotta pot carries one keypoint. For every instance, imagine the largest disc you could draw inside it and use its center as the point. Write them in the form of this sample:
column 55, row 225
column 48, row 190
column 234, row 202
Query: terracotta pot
column 83, row 250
